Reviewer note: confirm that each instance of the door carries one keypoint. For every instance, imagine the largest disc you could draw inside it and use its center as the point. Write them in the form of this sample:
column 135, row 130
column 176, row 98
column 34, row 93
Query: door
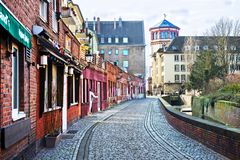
column 99, row 95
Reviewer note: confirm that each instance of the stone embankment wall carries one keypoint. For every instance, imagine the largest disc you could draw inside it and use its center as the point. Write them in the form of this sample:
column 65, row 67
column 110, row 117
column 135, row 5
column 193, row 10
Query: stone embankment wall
column 222, row 139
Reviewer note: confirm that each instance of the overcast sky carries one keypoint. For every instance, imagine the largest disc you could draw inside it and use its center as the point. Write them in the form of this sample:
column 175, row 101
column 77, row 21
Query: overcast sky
column 192, row 16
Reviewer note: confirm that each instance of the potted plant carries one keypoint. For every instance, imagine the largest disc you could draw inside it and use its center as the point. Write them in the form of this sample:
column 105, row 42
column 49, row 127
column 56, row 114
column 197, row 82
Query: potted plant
column 52, row 123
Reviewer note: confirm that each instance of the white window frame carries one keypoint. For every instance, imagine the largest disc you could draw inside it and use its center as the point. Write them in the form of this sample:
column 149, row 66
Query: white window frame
column 125, row 39
column 116, row 40
column 73, row 90
column 124, row 64
column 43, row 10
column 54, row 17
column 16, row 114
column 109, row 40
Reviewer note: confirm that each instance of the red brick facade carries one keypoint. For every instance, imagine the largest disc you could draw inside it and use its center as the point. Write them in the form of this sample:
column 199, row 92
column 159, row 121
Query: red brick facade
column 225, row 142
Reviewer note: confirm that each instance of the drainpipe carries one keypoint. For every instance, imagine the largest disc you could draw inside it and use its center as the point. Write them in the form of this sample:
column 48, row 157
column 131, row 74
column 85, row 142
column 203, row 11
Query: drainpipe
column 64, row 109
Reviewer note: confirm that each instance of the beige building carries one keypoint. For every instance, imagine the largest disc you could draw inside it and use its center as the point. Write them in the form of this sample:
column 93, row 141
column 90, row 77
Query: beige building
column 162, row 35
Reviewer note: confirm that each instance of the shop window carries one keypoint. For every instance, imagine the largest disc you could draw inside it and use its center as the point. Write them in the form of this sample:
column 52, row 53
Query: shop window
column 85, row 97
column 73, row 89
column 102, row 51
column 43, row 10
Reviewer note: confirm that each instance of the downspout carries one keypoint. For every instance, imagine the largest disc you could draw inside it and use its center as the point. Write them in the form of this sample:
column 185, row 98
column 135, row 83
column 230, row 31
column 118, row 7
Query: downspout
column 64, row 109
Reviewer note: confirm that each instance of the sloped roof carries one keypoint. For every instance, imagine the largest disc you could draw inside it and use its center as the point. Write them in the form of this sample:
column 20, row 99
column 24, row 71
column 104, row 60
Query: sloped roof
column 177, row 45
column 165, row 24
column 133, row 30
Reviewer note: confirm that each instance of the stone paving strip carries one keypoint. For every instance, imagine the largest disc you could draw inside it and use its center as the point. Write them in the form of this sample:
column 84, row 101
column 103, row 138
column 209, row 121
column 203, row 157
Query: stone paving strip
column 67, row 148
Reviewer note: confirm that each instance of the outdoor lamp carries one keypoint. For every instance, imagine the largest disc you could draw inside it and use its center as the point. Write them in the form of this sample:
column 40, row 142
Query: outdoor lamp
column 89, row 57
column 70, row 71
column 43, row 61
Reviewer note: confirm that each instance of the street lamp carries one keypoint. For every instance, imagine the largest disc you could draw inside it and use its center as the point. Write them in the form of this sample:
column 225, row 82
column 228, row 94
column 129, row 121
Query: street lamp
column 89, row 57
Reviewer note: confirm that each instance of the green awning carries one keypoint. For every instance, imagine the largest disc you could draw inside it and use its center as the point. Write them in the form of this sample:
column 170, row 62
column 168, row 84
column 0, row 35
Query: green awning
column 16, row 29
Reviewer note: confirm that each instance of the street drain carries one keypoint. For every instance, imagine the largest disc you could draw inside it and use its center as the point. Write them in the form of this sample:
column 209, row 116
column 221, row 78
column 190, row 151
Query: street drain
column 69, row 134
column 72, row 131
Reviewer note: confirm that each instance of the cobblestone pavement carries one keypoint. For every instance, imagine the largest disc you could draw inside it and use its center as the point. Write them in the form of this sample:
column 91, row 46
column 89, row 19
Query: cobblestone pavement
column 136, row 130
column 67, row 149
column 140, row 131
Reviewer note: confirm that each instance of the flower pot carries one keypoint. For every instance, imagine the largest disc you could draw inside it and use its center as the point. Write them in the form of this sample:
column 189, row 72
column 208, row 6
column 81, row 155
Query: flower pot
column 52, row 140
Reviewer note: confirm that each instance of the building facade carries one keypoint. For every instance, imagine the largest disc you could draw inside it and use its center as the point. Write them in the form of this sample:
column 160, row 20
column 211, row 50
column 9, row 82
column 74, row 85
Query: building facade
column 177, row 60
column 162, row 35
column 122, row 43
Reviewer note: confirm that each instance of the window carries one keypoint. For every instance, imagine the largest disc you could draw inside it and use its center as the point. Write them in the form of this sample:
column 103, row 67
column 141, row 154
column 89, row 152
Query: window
column 174, row 48
column 187, row 48
column 233, row 48
column 52, row 86
column 54, row 17
column 110, row 52
column 196, row 48
column 125, row 40
column 183, row 78
column 172, row 35
column 125, row 64
column 85, row 96
column 102, row 51
column 205, row 47
column 116, row 40
column 68, row 43
column 176, row 58
column 176, row 78
column 125, row 52
column 176, row 68
column 17, row 80
column 182, row 58
column 215, row 47
column 73, row 89
column 116, row 63
column 189, row 58
column 43, row 10
column 116, row 52
column 109, row 40
column 164, row 35
column 183, row 68
column 102, row 40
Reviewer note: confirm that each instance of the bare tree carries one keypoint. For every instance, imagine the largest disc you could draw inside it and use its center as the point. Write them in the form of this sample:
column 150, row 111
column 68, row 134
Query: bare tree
column 226, row 34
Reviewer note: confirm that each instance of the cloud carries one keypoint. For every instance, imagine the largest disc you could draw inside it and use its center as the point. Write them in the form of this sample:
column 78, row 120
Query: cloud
column 180, row 12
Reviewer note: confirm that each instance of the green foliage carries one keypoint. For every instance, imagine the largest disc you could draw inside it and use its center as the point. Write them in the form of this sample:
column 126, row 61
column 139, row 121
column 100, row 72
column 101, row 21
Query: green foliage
column 204, row 69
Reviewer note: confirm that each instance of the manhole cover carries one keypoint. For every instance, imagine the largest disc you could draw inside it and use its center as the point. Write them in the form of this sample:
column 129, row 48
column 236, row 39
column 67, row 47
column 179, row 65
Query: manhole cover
column 72, row 131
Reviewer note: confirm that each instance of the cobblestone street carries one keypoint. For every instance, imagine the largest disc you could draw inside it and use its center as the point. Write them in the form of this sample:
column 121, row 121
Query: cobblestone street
column 132, row 130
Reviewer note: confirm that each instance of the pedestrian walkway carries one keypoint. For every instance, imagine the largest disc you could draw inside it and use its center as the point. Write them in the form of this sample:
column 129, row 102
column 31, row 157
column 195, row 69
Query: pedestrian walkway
column 68, row 147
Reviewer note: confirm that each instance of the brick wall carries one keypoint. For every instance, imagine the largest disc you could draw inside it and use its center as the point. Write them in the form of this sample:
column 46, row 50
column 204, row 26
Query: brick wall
column 217, row 137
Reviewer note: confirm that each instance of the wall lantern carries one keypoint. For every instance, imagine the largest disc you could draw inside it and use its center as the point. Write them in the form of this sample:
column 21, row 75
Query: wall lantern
column 43, row 61
column 89, row 57
column 70, row 71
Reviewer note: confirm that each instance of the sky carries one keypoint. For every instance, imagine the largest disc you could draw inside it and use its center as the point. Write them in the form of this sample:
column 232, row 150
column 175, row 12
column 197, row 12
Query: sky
column 194, row 17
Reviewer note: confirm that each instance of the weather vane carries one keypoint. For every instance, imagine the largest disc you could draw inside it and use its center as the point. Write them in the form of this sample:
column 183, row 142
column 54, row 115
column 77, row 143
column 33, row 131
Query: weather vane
column 164, row 16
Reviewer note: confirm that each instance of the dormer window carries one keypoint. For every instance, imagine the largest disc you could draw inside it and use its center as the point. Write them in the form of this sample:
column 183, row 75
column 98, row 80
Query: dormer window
column 205, row 47
column 102, row 39
column 109, row 40
column 196, row 48
column 187, row 48
column 125, row 39
column 174, row 48
column 233, row 48
column 116, row 40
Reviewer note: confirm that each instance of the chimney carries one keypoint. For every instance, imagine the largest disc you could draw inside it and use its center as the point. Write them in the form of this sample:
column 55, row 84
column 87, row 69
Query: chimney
column 98, row 25
column 120, row 22
column 94, row 23
column 86, row 22
column 115, row 24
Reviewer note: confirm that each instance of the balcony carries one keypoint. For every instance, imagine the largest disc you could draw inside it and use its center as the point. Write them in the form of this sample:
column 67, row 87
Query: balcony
column 68, row 16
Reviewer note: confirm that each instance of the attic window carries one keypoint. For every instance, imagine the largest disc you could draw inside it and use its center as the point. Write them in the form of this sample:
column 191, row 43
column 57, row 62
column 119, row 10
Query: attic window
column 233, row 48
column 174, row 48
column 205, row 47
column 116, row 40
column 187, row 48
column 196, row 48
column 109, row 40
column 102, row 39
column 125, row 39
